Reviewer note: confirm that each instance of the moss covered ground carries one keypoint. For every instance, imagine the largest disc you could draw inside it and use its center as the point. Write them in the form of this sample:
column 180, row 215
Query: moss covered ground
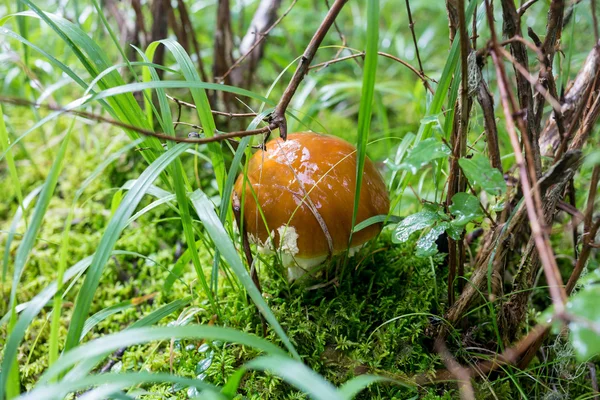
column 375, row 317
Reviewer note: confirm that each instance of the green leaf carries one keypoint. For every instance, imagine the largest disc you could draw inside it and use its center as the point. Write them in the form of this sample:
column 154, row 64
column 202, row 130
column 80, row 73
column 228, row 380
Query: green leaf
column 413, row 223
column 423, row 153
column 480, row 173
column 583, row 305
column 465, row 208
column 426, row 245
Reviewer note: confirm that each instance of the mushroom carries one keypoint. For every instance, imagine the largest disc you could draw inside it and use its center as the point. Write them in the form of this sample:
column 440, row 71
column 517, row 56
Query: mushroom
column 305, row 188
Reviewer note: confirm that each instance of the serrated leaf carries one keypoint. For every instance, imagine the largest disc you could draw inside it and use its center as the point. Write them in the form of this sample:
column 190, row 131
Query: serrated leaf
column 465, row 208
column 585, row 341
column 413, row 223
column 423, row 153
column 480, row 173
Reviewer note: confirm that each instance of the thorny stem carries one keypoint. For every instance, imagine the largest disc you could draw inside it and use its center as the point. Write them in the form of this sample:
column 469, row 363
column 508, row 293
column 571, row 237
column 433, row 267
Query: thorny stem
column 411, row 25
column 540, row 237
column 459, row 145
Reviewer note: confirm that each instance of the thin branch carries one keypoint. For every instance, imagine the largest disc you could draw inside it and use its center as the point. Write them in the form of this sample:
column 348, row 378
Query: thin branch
column 411, row 25
column 535, row 213
column 511, row 28
column 525, row 7
column 262, row 37
column 589, row 232
column 456, row 180
column 145, row 132
column 595, row 19
column 421, row 76
column 460, row 373
column 486, row 101
column 215, row 112
column 278, row 116
column 556, row 106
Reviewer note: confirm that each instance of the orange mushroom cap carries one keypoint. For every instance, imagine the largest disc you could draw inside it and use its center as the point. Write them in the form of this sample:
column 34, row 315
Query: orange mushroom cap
column 305, row 187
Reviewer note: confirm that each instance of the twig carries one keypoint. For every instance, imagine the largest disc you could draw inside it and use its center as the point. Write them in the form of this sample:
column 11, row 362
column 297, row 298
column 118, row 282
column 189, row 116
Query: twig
column 145, row 132
column 539, row 235
column 411, row 25
column 342, row 38
column 556, row 106
column 215, row 112
column 486, row 101
column 508, row 357
column 262, row 37
column 525, row 7
column 511, row 28
column 456, row 180
column 595, row 19
column 278, row 116
column 421, row 76
column 189, row 31
column 579, row 92
column 589, row 231
column 573, row 204
column 462, row 374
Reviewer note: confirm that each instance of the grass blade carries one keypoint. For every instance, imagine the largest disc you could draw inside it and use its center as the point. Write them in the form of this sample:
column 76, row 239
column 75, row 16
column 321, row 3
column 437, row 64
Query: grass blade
column 130, row 337
column 12, row 169
column 109, row 238
column 205, row 210
column 297, row 374
column 123, row 380
column 21, row 257
column 366, row 100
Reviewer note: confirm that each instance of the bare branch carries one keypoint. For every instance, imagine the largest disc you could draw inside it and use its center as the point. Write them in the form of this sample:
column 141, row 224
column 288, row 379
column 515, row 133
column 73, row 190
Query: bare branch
column 422, row 77
column 278, row 116
column 534, row 212
column 411, row 25
column 145, row 132
column 254, row 39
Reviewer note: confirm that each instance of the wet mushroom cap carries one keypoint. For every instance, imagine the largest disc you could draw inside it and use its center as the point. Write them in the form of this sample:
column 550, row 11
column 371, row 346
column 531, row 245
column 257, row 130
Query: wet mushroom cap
column 303, row 185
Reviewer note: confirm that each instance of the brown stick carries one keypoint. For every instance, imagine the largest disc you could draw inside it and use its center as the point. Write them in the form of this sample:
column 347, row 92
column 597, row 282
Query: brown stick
column 512, row 27
column 145, row 132
column 278, row 116
column 540, row 236
column 486, row 101
column 411, row 25
column 260, row 38
column 214, row 112
column 421, row 76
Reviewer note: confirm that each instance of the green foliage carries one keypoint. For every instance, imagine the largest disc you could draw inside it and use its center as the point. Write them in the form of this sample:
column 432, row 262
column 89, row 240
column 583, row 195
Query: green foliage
column 423, row 153
column 480, row 174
